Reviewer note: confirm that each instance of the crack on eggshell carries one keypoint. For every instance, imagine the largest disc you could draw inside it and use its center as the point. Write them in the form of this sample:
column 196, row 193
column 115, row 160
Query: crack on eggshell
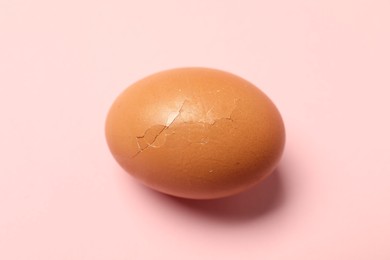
column 170, row 121
column 152, row 135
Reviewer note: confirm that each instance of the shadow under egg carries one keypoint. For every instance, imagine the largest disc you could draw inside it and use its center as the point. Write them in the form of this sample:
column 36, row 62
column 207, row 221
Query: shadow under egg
column 263, row 198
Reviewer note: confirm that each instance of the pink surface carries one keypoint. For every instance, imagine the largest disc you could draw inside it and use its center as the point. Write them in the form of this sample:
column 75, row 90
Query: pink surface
column 324, row 63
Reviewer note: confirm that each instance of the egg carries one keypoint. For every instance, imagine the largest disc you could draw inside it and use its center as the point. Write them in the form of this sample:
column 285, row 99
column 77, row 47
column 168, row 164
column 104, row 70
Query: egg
column 196, row 133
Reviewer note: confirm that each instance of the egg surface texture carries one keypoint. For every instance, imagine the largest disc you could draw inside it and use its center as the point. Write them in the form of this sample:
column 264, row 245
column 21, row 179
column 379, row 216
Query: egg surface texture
column 195, row 132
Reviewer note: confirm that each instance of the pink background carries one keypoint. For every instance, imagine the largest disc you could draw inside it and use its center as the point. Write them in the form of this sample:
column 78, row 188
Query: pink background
column 326, row 64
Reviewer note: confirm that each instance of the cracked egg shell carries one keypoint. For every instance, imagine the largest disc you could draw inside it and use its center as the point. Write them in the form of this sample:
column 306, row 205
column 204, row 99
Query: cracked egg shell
column 195, row 133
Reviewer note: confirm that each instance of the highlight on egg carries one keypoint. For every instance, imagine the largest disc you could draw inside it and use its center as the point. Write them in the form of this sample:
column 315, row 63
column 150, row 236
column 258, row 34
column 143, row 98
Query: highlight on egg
column 196, row 133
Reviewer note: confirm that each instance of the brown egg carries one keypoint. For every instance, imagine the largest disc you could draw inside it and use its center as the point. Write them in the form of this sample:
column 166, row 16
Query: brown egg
column 195, row 133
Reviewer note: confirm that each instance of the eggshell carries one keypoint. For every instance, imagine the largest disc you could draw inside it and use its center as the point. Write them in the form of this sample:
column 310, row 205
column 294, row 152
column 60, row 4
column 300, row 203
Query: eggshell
column 195, row 133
